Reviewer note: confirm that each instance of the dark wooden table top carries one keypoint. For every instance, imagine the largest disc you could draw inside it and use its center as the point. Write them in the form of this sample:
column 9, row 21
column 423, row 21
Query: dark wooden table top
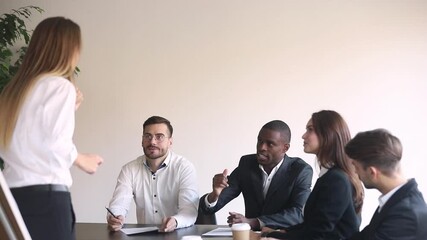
column 99, row 231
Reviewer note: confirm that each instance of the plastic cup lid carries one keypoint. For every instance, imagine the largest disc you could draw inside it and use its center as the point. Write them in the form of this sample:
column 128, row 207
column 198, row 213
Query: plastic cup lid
column 240, row 227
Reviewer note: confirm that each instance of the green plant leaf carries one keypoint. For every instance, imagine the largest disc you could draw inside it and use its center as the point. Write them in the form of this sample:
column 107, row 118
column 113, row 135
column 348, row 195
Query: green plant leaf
column 13, row 28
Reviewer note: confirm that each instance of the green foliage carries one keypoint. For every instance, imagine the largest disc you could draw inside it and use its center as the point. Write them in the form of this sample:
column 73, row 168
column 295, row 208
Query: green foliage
column 13, row 29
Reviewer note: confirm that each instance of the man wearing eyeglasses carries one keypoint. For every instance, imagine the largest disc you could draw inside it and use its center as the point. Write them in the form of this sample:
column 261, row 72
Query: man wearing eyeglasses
column 162, row 183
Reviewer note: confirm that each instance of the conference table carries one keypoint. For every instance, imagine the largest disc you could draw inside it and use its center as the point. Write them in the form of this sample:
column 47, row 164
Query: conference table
column 99, row 231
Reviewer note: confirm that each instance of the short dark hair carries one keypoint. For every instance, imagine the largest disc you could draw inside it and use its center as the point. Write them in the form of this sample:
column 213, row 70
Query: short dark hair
column 279, row 126
column 158, row 120
column 378, row 148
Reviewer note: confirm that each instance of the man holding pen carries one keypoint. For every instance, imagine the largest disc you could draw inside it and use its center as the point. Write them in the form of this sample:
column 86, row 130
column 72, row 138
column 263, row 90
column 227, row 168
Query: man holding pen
column 162, row 183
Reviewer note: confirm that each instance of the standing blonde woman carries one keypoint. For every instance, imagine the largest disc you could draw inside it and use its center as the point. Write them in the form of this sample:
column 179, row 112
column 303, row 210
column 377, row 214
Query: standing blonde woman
column 37, row 111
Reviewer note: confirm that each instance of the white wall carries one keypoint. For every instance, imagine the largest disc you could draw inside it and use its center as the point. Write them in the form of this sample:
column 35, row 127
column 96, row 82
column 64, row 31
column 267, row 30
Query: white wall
column 219, row 70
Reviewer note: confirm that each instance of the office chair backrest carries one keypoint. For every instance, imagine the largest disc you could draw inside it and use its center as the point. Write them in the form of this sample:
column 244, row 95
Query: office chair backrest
column 205, row 219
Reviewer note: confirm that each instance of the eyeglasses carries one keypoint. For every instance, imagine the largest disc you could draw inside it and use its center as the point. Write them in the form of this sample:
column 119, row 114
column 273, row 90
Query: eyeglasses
column 160, row 137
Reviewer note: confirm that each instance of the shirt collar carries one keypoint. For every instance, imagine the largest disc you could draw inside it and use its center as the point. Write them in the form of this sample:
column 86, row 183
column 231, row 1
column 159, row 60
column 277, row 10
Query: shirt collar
column 163, row 165
column 274, row 170
column 323, row 170
column 382, row 200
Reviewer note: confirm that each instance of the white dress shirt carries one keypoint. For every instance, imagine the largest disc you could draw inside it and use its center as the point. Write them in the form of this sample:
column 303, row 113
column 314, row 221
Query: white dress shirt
column 266, row 178
column 384, row 198
column 41, row 149
column 170, row 192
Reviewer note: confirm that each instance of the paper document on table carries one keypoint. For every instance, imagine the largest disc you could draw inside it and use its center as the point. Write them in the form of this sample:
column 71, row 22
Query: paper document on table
column 131, row 231
column 219, row 232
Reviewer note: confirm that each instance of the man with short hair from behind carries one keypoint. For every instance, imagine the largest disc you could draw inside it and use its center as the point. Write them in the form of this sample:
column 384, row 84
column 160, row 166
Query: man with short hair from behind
column 402, row 211
column 162, row 183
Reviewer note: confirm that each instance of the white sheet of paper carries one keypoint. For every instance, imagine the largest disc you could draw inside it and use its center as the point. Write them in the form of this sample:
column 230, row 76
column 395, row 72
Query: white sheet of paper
column 219, row 232
column 130, row 231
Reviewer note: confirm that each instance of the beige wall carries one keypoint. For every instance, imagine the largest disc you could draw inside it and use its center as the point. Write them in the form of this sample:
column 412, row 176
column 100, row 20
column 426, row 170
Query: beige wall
column 221, row 69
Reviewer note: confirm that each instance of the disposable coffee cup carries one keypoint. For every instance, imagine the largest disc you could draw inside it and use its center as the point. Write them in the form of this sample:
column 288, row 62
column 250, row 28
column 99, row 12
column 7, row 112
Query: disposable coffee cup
column 191, row 237
column 241, row 231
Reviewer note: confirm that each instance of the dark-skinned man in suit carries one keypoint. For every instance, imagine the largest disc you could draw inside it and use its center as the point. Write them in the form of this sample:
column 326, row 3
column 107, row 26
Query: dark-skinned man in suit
column 275, row 186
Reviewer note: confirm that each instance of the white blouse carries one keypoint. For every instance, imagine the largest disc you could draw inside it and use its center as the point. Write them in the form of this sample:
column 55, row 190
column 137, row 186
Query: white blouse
column 41, row 149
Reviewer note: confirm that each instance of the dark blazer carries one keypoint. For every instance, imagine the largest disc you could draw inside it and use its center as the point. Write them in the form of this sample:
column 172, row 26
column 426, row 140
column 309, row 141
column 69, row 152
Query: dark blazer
column 329, row 212
column 286, row 196
column 403, row 217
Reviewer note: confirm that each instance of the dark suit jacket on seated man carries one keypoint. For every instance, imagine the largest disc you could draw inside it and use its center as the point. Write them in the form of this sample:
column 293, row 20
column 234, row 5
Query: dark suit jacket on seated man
column 275, row 186
column 402, row 212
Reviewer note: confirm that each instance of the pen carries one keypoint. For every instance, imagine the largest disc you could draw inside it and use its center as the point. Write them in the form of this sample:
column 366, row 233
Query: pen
column 112, row 214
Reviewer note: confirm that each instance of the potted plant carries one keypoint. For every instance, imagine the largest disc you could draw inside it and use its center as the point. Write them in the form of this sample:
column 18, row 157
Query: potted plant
column 12, row 31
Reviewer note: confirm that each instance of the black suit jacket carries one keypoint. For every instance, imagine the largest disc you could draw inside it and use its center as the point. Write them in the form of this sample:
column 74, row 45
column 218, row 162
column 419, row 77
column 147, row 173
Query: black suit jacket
column 286, row 196
column 329, row 212
column 403, row 217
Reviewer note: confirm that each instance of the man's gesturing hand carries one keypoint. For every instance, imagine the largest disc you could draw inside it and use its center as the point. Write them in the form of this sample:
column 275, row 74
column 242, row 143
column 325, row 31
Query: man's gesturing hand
column 219, row 182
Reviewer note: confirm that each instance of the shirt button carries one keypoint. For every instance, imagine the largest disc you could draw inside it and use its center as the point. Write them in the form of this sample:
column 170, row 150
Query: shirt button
column 155, row 195
column 155, row 211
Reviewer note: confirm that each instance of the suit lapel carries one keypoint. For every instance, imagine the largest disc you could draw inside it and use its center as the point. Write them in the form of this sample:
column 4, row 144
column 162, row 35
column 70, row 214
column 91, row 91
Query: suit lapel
column 397, row 196
column 375, row 218
column 280, row 178
column 256, row 179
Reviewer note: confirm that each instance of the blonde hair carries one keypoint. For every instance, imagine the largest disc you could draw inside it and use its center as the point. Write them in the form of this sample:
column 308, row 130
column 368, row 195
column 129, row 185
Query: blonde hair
column 52, row 50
